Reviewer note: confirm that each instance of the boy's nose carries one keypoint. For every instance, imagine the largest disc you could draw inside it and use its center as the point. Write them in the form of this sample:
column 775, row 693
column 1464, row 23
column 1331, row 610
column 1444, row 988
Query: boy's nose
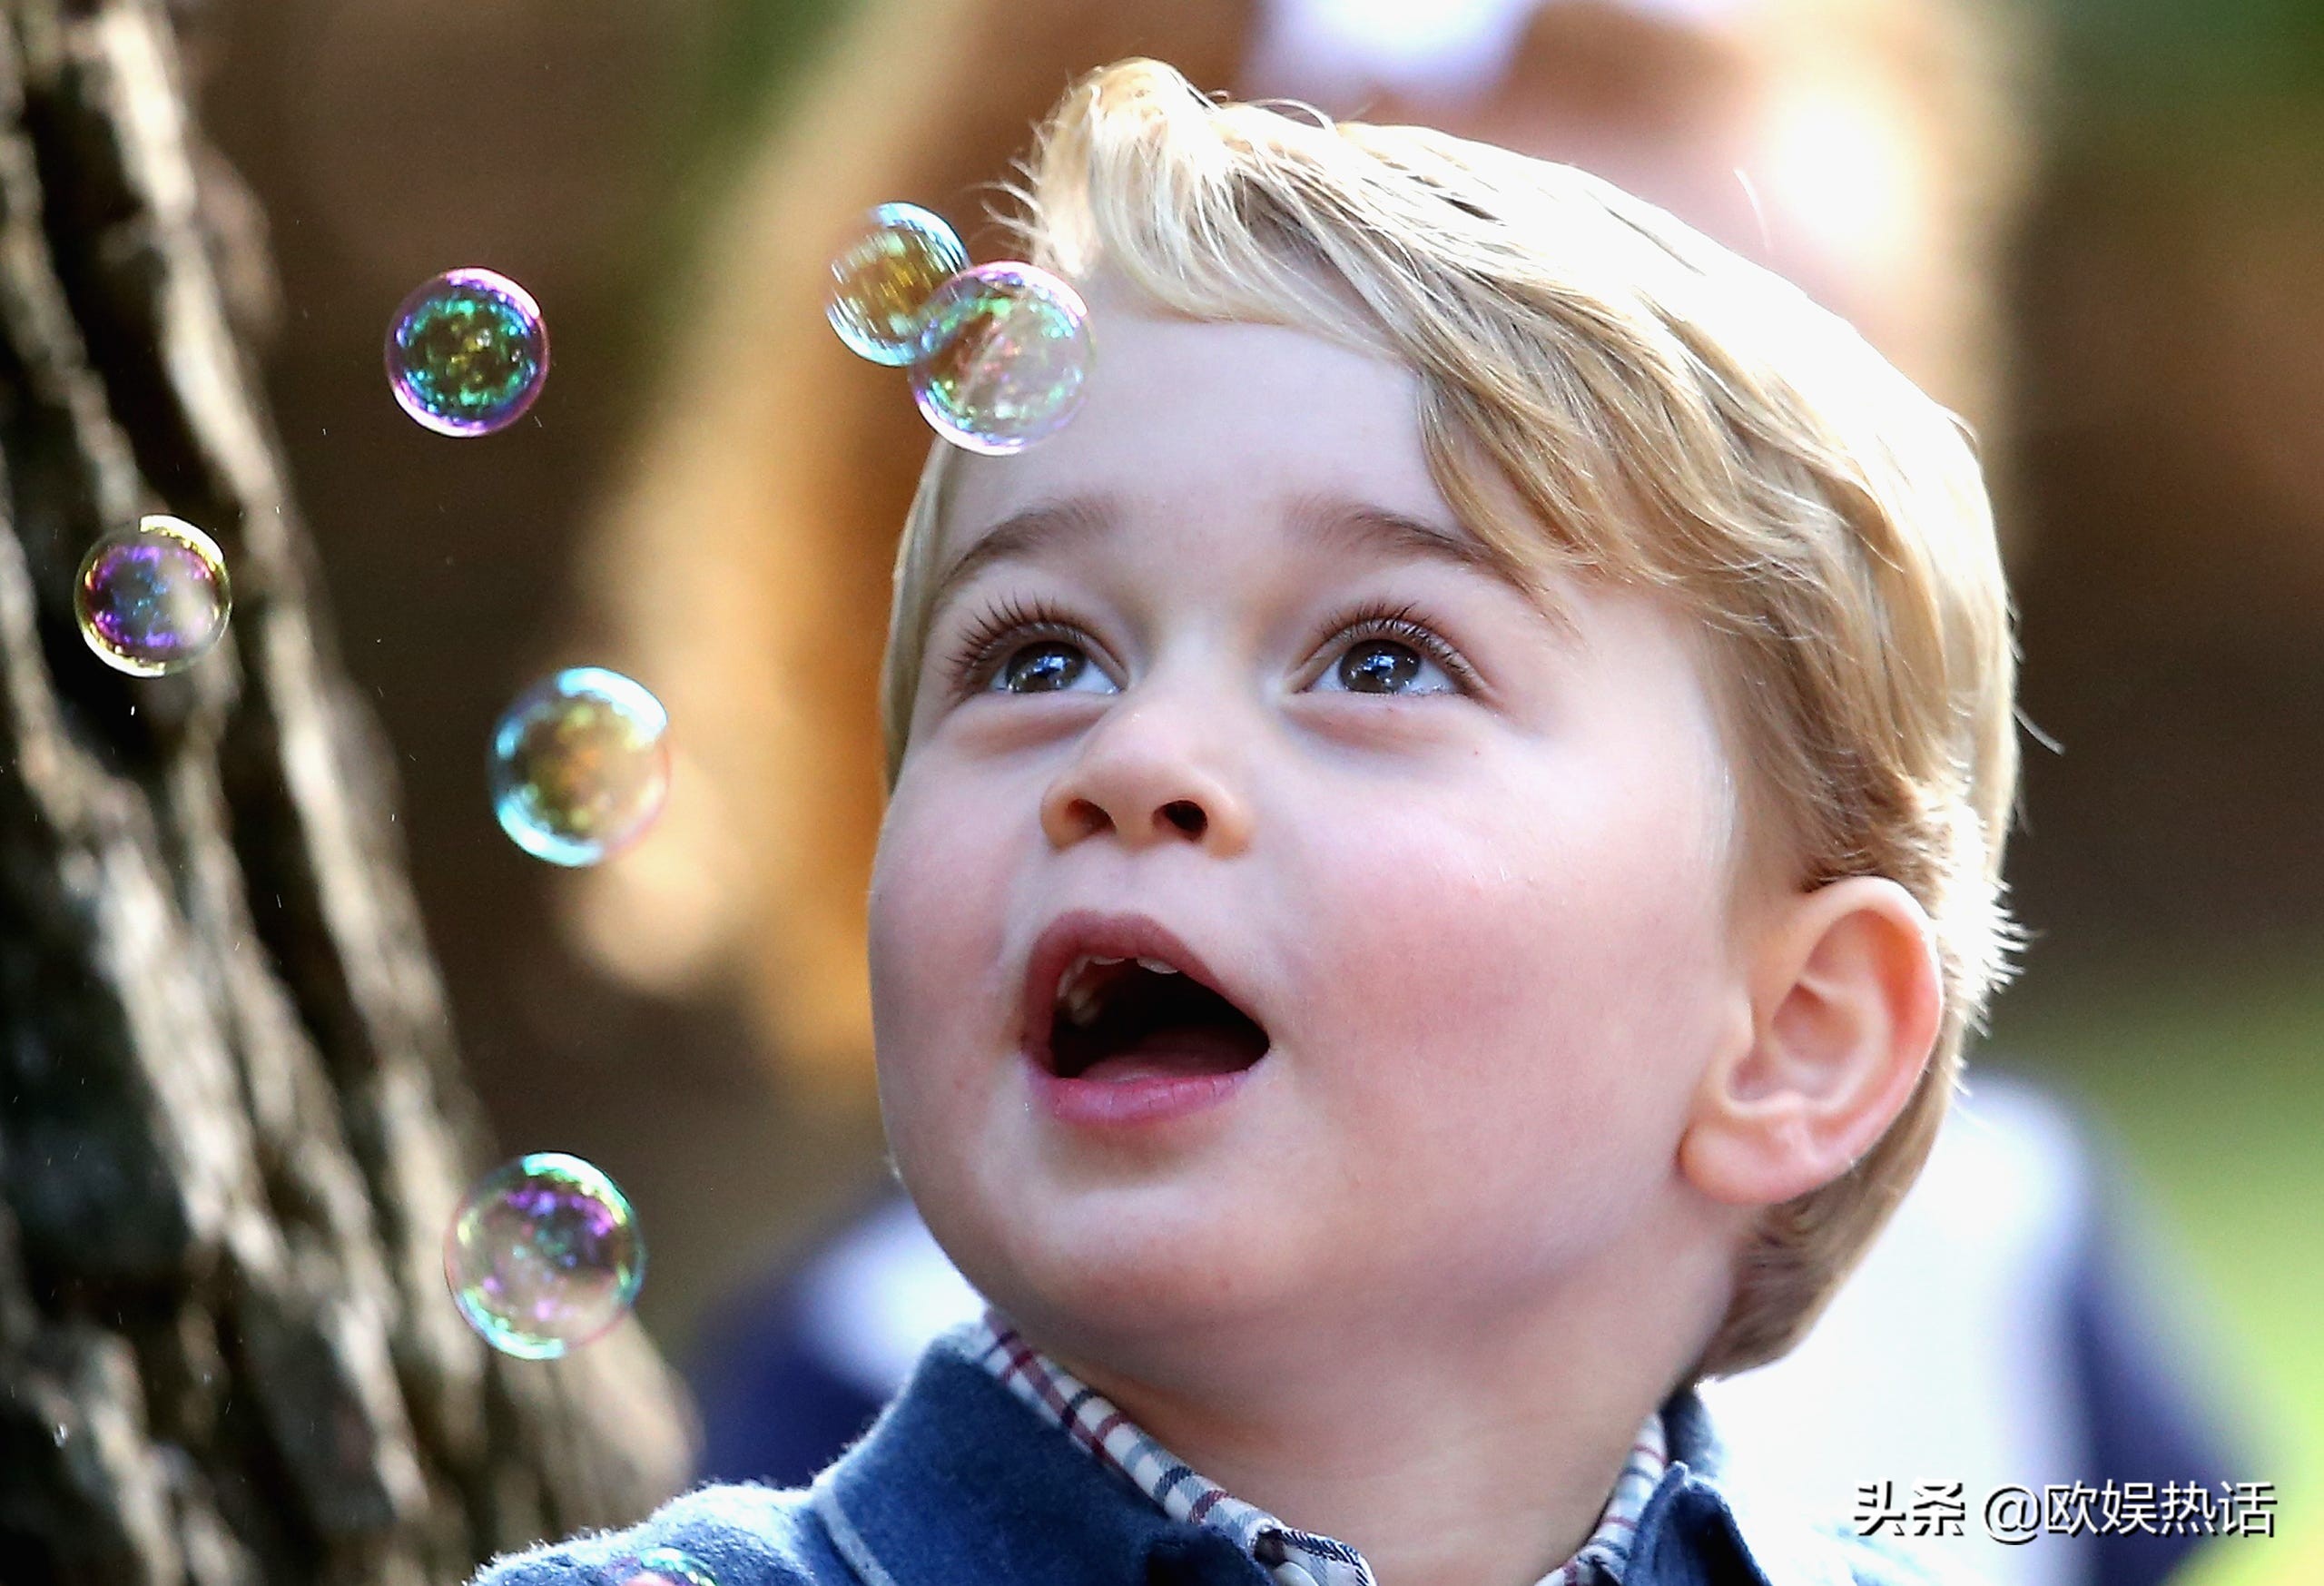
column 1146, row 776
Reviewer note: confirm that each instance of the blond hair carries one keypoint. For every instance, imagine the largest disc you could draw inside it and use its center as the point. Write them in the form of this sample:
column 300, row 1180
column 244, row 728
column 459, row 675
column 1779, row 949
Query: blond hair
column 1670, row 417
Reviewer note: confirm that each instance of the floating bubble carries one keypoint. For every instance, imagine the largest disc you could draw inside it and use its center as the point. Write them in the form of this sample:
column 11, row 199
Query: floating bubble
column 468, row 352
column 543, row 1255
column 881, row 282
column 662, row 1567
column 152, row 599
column 579, row 765
column 1004, row 352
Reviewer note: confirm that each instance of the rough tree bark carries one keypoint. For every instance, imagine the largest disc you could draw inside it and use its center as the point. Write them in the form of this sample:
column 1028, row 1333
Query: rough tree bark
column 233, row 1125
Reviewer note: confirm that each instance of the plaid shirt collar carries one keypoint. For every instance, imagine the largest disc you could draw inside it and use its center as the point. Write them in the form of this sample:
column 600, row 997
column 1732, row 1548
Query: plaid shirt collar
column 1293, row 1557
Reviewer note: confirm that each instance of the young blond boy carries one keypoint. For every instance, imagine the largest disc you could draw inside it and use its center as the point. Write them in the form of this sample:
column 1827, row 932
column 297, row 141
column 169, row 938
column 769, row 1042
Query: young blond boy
column 1525, row 698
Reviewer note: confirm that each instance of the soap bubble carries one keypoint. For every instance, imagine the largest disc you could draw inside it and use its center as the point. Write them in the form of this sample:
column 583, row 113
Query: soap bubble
column 153, row 598
column 1004, row 353
column 662, row 1567
column 579, row 765
column 543, row 1255
column 881, row 281
column 468, row 352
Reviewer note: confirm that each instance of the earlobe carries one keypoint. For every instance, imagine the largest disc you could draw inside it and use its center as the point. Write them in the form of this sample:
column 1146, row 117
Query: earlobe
column 1846, row 1004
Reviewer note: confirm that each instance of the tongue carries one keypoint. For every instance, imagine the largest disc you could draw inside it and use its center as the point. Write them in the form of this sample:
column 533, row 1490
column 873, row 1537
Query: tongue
column 1172, row 1051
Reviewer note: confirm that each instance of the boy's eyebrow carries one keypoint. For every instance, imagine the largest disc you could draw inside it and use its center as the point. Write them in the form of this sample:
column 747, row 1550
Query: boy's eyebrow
column 1336, row 524
column 1351, row 525
column 1355, row 527
column 1020, row 533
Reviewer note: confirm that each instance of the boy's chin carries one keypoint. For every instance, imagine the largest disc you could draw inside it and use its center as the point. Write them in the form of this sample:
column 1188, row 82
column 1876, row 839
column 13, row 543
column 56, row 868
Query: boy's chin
column 1121, row 1323
column 1145, row 1274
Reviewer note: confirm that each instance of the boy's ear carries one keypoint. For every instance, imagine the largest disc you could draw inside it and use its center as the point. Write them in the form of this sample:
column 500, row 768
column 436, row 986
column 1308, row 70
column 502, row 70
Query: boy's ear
column 1846, row 1002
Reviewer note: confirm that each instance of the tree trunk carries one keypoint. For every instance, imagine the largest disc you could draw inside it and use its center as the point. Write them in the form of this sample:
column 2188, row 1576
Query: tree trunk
column 232, row 1125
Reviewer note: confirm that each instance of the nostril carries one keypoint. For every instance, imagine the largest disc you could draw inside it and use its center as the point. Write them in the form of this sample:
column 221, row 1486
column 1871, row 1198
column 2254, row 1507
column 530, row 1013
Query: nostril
column 1187, row 816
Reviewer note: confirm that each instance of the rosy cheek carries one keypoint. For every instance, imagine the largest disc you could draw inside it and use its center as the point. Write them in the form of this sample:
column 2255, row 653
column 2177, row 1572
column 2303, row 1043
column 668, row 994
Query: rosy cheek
column 938, row 921
column 1413, row 950
column 1478, row 949
column 911, row 926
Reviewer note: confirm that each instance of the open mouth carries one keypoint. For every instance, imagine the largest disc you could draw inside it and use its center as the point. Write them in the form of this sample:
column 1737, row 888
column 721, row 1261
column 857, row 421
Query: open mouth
column 1128, row 1018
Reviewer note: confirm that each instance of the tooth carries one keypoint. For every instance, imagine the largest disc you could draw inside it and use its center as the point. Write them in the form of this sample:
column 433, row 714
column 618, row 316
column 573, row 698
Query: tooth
column 1158, row 966
column 1104, row 960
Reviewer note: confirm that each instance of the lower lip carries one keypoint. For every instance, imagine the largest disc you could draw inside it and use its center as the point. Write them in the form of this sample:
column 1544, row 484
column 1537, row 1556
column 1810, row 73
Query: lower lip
column 1121, row 1102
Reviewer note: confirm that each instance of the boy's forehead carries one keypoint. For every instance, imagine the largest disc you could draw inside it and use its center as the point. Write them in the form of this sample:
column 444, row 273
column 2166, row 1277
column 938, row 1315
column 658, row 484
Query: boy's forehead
column 1205, row 415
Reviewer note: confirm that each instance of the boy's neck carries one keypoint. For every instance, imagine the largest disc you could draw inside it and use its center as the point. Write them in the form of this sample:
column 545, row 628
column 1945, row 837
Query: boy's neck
column 1480, row 1455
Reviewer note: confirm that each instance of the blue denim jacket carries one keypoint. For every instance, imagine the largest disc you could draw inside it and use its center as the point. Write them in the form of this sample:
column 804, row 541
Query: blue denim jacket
column 957, row 1483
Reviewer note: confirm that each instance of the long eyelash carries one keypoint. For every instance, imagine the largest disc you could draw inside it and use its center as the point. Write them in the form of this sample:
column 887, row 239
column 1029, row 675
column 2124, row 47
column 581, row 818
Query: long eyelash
column 1379, row 619
column 1010, row 620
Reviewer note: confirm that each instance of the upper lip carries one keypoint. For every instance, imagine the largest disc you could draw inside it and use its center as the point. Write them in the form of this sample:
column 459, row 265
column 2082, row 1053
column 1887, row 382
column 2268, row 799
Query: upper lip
column 1103, row 935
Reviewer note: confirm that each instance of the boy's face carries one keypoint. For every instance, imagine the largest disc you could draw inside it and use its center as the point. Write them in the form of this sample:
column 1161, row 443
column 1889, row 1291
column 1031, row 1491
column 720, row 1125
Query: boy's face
column 1479, row 907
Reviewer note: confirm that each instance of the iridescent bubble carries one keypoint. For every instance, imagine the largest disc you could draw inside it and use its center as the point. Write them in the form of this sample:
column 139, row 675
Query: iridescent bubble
column 153, row 598
column 1004, row 352
column 468, row 352
column 881, row 281
column 662, row 1567
column 579, row 765
column 543, row 1255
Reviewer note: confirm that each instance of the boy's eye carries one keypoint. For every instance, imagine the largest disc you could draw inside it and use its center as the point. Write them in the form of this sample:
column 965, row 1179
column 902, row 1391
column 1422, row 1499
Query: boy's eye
column 1387, row 652
column 1050, row 666
column 1382, row 666
column 1022, row 647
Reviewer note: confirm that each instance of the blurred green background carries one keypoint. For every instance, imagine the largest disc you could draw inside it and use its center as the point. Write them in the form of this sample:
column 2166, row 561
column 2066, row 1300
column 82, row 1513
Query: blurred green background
column 2204, row 1070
